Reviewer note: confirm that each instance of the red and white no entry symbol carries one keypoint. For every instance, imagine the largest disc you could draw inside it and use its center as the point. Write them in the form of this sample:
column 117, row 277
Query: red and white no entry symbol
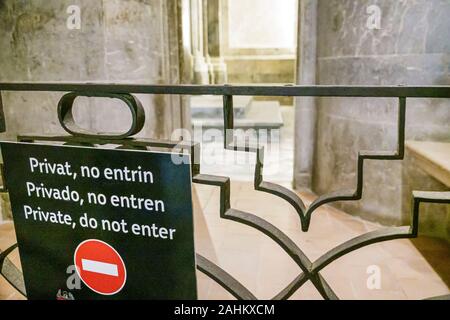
column 100, row 267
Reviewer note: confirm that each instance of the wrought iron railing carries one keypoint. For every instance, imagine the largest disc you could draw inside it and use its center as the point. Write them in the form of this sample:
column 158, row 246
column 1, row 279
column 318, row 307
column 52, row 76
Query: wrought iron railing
column 310, row 269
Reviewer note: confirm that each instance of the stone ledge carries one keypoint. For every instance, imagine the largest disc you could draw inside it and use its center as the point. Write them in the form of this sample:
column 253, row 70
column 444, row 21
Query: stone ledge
column 260, row 115
column 433, row 158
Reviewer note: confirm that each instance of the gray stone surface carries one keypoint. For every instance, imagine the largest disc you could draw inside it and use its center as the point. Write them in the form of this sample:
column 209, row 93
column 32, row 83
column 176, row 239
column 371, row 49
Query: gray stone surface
column 5, row 207
column 133, row 41
column 212, row 106
column 407, row 27
column 258, row 115
column 434, row 218
column 305, row 107
column 119, row 41
column 411, row 48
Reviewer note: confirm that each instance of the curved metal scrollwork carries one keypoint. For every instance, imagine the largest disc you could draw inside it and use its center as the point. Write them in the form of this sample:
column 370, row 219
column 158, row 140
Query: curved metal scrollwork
column 310, row 270
column 67, row 120
column 10, row 272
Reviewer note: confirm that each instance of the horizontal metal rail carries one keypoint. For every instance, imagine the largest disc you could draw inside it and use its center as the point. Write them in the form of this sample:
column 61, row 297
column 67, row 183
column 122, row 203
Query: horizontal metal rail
column 238, row 90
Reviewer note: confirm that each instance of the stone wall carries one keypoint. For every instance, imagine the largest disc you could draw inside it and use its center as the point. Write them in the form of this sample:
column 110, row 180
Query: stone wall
column 434, row 218
column 412, row 47
column 133, row 41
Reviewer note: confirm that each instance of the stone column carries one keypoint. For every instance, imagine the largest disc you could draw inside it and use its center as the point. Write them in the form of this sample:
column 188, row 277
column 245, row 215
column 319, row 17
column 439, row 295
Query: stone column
column 205, row 41
column 214, row 18
column 355, row 49
column 200, row 66
column 305, row 107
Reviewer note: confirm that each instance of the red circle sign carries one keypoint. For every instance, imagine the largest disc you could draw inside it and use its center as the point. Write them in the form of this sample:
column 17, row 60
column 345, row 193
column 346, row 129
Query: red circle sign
column 100, row 267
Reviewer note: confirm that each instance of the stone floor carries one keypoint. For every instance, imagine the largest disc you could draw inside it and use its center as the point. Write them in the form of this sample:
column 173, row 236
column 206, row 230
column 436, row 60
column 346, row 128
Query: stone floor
column 8, row 238
column 409, row 269
column 256, row 261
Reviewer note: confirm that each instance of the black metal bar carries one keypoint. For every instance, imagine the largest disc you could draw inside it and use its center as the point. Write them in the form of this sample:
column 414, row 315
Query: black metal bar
column 224, row 279
column 228, row 120
column 2, row 116
column 238, row 90
column 10, row 272
column 67, row 120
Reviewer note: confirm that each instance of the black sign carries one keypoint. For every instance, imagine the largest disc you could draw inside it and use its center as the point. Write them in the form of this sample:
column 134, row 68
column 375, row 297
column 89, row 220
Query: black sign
column 101, row 224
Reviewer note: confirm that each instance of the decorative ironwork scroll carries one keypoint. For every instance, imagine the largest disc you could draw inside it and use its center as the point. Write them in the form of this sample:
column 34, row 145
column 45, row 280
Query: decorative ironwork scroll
column 310, row 270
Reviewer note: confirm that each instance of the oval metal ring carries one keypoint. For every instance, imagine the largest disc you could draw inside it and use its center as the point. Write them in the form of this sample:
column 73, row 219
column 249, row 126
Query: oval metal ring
column 67, row 121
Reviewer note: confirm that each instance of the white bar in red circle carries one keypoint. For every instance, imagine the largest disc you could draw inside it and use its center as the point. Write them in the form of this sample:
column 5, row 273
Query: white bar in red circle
column 99, row 267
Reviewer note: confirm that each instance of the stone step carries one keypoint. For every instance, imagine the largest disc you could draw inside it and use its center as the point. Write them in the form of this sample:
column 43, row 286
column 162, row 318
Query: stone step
column 260, row 115
column 433, row 157
column 212, row 106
